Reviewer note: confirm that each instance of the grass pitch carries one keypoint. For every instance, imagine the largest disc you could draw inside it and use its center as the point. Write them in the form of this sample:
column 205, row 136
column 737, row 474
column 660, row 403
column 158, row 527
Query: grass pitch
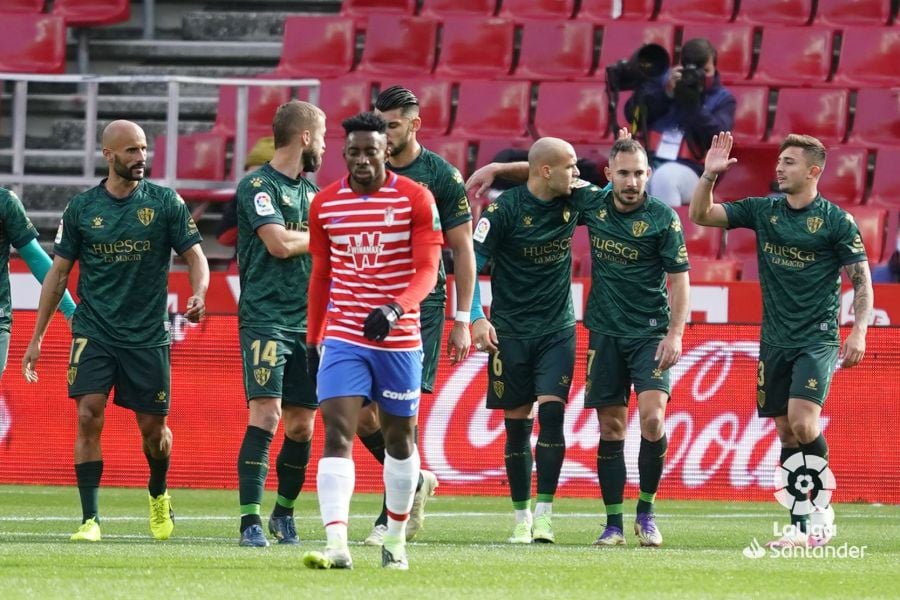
column 459, row 554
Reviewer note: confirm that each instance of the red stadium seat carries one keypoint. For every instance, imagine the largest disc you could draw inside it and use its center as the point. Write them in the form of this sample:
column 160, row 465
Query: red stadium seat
column 333, row 165
column 317, row 46
column 342, row 99
column 608, row 11
column 712, row 270
column 457, row 8
column 872, row 222
column 700, row 241
column 622, row 39
column 487, row 149
column 821, row 113
column 32, row 43
column 853, row 12
column 573, row 111
column 775, row 12
column 476, row 48
column 877, row 120
column 733, row 44
column 694, row 11
column 262, row 102
column 581, row 253
column 844, row 179
column 26, row 6
column 537, row 9
column 361, row 9
column 200, row 156
column 454, row 151
column 752, row 175
column 751, row 113
column 740, row 246
column 886, row 185
column 870, row 56
column 794, row 56
column 555, row 50
column 399, row 46
column 492, row 109
column 434, row 102
column 91, row 13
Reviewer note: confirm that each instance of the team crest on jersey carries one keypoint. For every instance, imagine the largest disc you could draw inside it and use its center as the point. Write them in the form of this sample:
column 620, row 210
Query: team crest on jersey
column 261, row 375
column 676, row 224
column 97, row 223
column 773, row 219
column 389, row 216
column 639, row 228
column 499, row 388
column 601, row 214
column 527, row 220
column 814, row 224
column 71, row 374
column 145, row 215
column 567, row 214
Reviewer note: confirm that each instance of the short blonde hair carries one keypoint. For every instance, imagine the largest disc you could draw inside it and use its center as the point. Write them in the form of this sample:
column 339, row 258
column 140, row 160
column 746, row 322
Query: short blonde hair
column 294, row 117
column 813, row 149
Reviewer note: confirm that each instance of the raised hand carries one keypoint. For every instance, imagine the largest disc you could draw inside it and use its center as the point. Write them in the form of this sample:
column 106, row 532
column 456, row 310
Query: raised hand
column 718, row 157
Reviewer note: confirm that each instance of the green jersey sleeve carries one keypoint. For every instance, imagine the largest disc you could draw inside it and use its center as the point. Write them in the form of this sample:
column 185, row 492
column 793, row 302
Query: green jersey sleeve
column 847, row 240
column 490, row 230
column 742, row 213
column 673, row 250
column 17, row 226
column 258, row 198
column 68, row 238
column 451, row 200
column 183, row 231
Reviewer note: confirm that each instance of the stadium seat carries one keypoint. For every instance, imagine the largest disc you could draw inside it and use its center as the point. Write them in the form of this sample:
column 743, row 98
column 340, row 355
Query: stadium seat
column 581, row 253
column 733, row 43
column 696, row 11
column 492, row 109
column 775, row 12
column 434, row 102
column 441, row 9
column 333, row 165
column 362, row 9
column 870, row 56
column 752, row 175
column 342, row 99
column 740, row 246
column 844, row 179
column 886, row 185
column 552, row 10
column 872, row 222
column 713, row 270
column 573, row 111
column 24, row 6
column 751, row 113
column 200, row 156
column 475, row 48
column 608, row 11
column 32, row 43
column 700, row 241
column 555, row 50
column 399, row 46
column 262, row 102
column 454, row 151
column 853, row 12
column 317, row 46
column 877, row 119
column 91, row 13
column 622, row 39
column 794, row 56
column 821, row 113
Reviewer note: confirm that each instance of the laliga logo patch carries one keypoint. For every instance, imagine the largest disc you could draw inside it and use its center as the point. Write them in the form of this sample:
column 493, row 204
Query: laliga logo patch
column 263, row 204
column 804, row 483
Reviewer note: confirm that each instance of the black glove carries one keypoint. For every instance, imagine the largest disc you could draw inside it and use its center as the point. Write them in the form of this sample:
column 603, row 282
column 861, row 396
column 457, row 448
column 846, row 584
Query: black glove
column 312, row 363
column 381, row 320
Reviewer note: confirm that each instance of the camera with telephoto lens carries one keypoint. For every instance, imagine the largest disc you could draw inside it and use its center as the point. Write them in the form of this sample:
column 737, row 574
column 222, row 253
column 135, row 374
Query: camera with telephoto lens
column 689, row 89
column 650, row 61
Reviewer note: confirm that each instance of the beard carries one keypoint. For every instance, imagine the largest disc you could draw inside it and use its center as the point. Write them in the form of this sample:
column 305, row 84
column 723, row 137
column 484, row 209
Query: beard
column 128, row 173
column 310, row 161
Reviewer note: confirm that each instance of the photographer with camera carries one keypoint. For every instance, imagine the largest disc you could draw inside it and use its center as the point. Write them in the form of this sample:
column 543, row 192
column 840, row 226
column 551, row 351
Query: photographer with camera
column 676, row 115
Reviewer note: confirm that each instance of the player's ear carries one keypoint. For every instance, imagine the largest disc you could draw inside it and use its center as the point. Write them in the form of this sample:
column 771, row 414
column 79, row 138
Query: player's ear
column 306, row 136
column 815, row 171
column 416, row 123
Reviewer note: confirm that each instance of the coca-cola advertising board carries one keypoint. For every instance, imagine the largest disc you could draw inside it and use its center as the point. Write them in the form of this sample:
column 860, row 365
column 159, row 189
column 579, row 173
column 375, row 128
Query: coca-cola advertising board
column 718, row 448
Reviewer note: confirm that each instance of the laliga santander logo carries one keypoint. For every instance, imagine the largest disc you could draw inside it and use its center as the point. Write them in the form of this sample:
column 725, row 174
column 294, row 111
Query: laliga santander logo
column 463, row 441
column 804, row 483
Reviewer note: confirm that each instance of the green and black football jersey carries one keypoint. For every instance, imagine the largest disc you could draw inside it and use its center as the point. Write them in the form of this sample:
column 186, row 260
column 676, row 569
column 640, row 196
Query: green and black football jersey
column 530, row 242
column 273, row 290
column 800, row 254
column 124, row 247
column 446, row 184
column 630, row 256
column 15, row 230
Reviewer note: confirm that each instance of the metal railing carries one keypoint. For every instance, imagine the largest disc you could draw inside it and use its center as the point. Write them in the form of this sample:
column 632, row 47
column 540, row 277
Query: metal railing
column 89, row 87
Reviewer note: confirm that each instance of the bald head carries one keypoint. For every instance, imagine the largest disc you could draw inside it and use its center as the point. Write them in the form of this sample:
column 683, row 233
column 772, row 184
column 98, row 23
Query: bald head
column 118, row 131
column 125, row 149
column 548, row 151
column 551, row 168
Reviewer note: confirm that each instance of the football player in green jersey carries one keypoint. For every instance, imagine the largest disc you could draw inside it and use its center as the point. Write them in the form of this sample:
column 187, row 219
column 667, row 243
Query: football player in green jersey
column 122, row 233
column 527, row 232
column 274, row 267
column 803, row 241
column 400, row 108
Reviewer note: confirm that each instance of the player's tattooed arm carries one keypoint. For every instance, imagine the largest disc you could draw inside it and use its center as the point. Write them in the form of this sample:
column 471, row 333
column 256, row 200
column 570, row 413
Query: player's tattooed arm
column 854, row 347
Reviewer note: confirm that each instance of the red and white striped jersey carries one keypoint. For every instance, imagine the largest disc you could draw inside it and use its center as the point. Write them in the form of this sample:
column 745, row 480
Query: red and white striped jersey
column 369, row 240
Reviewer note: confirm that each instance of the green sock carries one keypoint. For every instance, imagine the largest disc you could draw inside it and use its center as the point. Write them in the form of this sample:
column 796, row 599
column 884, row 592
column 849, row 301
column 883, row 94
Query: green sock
column 651, row 459
column 159, row 467
column 253, row 466
column 611, row 474
column 374, row 443
column 88, row 476
column 551, row 447
column 517, row 457
column 291, row 468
